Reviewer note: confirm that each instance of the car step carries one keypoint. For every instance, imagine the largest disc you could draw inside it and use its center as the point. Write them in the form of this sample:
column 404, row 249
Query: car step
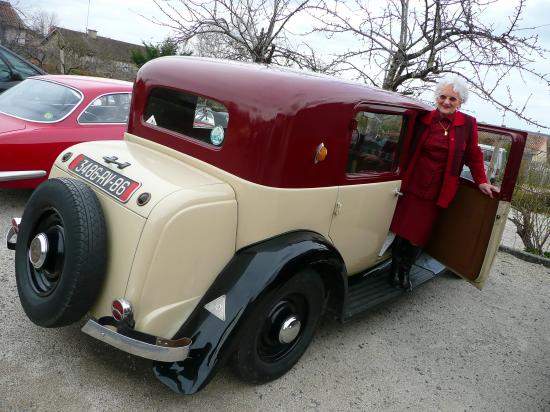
column 373, row 288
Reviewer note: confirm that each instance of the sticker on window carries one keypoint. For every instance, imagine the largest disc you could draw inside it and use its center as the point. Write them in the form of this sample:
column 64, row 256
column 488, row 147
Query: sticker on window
column 151, row 120
column 217, row 135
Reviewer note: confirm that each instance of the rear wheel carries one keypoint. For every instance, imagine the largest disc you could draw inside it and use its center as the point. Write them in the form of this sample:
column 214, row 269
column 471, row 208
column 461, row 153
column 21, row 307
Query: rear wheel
column 60, row 253
column 280, row 329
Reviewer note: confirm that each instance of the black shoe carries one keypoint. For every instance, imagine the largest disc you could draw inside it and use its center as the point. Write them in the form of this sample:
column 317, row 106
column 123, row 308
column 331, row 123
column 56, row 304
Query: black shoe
column 395, row 270
column 395, row 279
column 409, row 254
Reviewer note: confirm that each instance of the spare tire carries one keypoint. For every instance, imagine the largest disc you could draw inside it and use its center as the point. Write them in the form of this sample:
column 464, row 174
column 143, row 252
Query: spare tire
column 60, row 256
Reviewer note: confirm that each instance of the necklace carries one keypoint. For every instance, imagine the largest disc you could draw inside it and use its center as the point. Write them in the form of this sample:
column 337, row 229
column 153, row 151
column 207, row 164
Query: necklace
column 445, row 128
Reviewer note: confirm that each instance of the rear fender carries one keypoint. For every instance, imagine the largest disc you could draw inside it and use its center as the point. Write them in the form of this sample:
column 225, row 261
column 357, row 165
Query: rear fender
column 253, row 271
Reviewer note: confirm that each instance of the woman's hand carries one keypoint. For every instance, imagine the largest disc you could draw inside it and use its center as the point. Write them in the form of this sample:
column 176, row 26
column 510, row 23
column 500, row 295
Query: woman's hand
column 488, row 189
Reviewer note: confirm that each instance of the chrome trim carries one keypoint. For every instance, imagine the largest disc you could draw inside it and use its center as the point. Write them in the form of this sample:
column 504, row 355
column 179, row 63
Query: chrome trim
column 164, row 351
column 97, row 97
column 12, row 232
column 21, row 175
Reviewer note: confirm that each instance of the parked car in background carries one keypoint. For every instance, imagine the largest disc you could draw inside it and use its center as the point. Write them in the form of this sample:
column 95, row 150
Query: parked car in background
column 14, row 69
column 42, row 116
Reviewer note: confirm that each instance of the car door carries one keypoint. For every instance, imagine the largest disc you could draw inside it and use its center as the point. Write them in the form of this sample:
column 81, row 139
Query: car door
column 468, row 233
column 369, row 191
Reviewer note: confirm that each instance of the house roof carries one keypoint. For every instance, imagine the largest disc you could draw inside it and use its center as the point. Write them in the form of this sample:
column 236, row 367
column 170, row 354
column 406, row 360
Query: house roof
column 8, row 15
column 102, row 47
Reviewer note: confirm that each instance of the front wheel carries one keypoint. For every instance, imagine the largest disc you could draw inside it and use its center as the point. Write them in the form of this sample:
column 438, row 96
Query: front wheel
column 280, row 329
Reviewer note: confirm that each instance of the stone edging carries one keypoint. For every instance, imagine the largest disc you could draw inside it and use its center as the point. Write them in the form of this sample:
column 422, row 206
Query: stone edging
column 529, row 257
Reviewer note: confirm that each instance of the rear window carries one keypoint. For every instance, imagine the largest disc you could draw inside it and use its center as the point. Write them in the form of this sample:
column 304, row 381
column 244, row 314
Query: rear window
column 187, row 114
column 40, row 101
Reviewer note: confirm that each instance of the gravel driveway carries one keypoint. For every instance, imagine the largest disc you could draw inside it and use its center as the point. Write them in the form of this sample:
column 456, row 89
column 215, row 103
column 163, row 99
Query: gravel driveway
column 446, row 346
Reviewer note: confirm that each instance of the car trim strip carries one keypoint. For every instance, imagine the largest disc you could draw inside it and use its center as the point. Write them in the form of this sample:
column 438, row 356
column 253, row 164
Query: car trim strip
column 165, row 350
column 21, row 175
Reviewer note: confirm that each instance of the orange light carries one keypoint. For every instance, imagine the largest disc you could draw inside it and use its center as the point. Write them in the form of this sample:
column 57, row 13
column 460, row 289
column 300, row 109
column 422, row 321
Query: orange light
column 321, row 153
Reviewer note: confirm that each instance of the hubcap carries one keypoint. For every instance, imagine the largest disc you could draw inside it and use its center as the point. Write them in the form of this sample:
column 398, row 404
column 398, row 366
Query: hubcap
column 38, row 250
column 46, row 253
column 289, row 330
column 282, row 328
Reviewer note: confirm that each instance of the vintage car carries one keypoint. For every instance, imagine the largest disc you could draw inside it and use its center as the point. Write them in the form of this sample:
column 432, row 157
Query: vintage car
column 43, row 115
column 244, row 203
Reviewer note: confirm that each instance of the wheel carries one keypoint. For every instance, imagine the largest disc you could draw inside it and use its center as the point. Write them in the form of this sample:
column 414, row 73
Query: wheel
column 279, row 329
column 60, row 255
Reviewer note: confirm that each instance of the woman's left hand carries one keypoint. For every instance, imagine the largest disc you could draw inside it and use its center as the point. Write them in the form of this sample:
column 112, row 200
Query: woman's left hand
column 488, row 189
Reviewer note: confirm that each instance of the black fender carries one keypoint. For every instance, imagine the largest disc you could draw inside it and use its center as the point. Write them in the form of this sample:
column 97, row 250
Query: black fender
column 252, row 272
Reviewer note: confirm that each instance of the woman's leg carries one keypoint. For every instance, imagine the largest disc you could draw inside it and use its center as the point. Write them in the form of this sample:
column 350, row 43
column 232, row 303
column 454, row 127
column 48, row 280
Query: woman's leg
column 404, row 254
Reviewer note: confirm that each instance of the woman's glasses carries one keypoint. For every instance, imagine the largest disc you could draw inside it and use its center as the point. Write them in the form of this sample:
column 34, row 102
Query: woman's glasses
column 452, row 99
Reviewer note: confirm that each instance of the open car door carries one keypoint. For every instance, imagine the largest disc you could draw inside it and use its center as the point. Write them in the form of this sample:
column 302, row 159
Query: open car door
column 468, row 233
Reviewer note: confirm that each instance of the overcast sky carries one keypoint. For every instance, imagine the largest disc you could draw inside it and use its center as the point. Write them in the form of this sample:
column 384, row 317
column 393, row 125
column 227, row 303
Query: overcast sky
column 122, row 20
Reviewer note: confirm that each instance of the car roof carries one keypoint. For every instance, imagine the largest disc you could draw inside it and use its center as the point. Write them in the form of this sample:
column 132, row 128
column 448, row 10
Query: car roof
column 267, row 85
column 88, row 83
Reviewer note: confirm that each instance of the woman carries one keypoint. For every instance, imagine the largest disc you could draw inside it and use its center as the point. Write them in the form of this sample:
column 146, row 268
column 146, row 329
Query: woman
column 444, row 141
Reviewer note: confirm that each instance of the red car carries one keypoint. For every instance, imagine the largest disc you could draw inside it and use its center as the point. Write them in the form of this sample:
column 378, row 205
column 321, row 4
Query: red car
column 43, row 115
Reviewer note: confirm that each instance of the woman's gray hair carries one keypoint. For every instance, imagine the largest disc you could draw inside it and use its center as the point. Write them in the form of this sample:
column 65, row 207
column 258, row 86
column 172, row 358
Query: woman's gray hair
column 456, row 83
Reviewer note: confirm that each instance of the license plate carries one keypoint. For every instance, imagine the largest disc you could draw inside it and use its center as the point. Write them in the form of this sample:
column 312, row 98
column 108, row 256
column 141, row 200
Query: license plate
column 114, row 184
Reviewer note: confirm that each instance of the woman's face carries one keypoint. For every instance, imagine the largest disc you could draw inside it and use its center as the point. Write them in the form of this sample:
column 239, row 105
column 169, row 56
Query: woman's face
column 448, row 101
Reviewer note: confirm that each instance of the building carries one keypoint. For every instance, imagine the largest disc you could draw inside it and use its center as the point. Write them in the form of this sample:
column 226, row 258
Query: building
column 70, row 51
column 12, row 29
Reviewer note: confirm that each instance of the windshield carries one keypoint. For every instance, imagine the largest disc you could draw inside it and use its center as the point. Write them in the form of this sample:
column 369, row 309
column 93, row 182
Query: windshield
column 39, row 101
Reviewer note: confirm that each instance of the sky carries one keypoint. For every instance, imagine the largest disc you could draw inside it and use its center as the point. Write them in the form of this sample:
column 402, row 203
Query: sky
column 126, row 20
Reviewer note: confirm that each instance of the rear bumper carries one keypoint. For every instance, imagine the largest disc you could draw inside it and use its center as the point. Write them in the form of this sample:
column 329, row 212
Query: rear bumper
column 137, row 343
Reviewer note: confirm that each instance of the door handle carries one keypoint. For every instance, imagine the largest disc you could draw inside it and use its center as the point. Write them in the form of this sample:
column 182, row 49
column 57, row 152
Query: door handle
column 396, row 192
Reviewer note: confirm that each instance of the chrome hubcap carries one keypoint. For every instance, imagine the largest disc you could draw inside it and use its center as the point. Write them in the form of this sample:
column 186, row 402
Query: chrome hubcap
column 38, row 250
column 290, row 329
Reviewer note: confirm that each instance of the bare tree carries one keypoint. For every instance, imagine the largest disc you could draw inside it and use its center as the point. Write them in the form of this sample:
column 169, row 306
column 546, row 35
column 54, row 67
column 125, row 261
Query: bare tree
column 41, row 22
column 253, row 30
column 404, row 41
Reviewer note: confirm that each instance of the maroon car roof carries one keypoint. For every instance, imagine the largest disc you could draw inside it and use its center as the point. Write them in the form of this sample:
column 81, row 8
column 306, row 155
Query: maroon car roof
column 277, row 117
column 266, row 84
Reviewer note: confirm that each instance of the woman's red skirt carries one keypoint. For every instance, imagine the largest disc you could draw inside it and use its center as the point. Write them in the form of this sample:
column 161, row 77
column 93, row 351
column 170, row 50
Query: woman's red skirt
column 414, row 218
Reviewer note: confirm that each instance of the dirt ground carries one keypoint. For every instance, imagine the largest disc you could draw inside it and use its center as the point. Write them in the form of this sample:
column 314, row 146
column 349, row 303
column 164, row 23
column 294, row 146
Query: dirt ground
column 445, row 346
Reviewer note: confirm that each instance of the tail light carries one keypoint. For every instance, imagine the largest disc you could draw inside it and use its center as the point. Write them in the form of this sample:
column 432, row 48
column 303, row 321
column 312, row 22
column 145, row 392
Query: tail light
column 121, row 309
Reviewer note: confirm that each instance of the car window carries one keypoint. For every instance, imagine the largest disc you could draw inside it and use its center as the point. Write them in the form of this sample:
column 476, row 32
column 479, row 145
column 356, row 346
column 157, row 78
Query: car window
column 20, row 65
column 495, row 148
column 375, row 143
column 187, row 114
column 109, row 108
column 39, row 101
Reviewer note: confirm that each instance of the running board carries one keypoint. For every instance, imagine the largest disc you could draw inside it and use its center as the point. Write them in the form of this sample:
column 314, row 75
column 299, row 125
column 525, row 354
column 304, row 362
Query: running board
column 372, row 288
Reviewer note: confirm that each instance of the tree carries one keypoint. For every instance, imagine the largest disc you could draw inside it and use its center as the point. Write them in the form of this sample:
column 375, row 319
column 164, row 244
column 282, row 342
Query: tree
column 168, row 47
column 405, row 43
column 250, row 30
column 531, row 206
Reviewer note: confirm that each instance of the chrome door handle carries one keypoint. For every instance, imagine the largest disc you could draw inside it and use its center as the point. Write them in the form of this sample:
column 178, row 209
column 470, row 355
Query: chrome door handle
column 396, row 192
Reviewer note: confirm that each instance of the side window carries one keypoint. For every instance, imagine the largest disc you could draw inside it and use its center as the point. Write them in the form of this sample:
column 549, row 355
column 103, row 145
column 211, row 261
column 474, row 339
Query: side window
column 188, row 114
column 110, row 108
column 375, row 143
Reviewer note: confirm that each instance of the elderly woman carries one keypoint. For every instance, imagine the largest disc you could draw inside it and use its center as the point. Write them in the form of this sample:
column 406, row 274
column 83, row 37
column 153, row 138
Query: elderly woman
column 445, row 140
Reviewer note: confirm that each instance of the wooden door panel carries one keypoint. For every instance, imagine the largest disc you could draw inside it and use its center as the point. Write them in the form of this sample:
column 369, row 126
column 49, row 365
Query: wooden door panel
column 462, row 234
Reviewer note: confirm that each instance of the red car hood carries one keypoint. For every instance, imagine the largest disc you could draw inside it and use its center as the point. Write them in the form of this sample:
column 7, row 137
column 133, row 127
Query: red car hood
column 10, row 124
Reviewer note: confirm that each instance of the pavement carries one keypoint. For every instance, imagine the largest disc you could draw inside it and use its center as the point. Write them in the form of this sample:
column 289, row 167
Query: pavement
column 445, row 346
